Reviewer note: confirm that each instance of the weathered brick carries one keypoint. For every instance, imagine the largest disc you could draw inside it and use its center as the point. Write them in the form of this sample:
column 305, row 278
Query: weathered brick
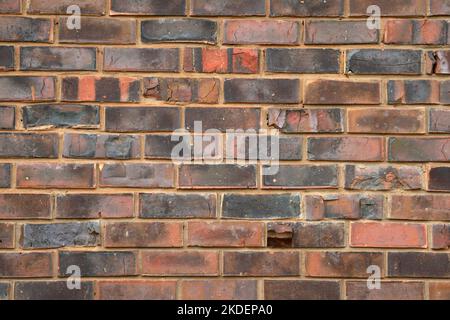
column 440, row 236
column 303, row 60
column 25, row 206
column 101, row 89
column 179, row 30
column 262, row 91
column 24, row 88
column 339, row 32
column 439, row 291
column 388, row 235
column 121, row 175
column 180, row 263
column 301, row 290
column 217, row 60
column 386, row 121
column 322, row 8
column 141, row 59
column 346, row 149
column 148, row 7
column 418, row 265
column 341, row 264
column 7, row 231
column 445, row 91
column 26, row 265
column 10, row 6
column 219, row 289
column 389, row 291
column 101, row 146
column 137, row 290
column 419, row 32
column 27, row 145
column 7, row 58
column 94, row 206
column 24, row 29
column 7, row 117
column 221, row 176
column 342, row 92
column 275, row 32
column 225, row 234
column 161, row 146
column 439, row 120
column 437, row 62
column 413, row 92
column 389, row 7
column 52, row 290
column 58, row 235
column 419, row 149
column 375, row 61
column 439, row 179
column 228, row 8
column 57, row 59
column 99, row 263
column 420, row 207
column 88, row 7
column 223, row 118
column 99, row 31
column 5, row 175
column 5, row 289
column 302, row 177
column 55, row 176
column 344, row 207
column 176, row 205
column 47, row 116
column 143, row 234
column 182, row 90
column 147, row 119
column 385, row 178
column 306, row 235
column 439, row 7
column 261, row 264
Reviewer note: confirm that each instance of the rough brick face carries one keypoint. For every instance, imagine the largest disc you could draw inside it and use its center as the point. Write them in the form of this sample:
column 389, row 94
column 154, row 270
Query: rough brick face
column 224, row 149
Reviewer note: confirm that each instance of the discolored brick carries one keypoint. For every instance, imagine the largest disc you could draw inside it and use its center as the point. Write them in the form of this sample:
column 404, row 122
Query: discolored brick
column 339, row 32
column 357, row 290
column 153, row 175
column 301, row 290
column 141, row 59
column 419, row 149
column 346, row 149
column 302, row 177
column 25, row 206
column 27, row 88
column 276, row 32
column 26, row 265
column 439, row 120
column 48, row 7
column 52, row 290
column 7, row 117
column 7, row 58
column 228, row 8
column 420, row 207
column 27, row 145
column 440, row 236
column 137, row 290
column 418, row 265
column 322, row 8
column 303, row 60
column 389, row 8
column 413, row 92
column 148, row 7
column 7, row 231
column 439, row 179
column 24, row 29
column 219, row 289
column 58, row 59
column 5, row 175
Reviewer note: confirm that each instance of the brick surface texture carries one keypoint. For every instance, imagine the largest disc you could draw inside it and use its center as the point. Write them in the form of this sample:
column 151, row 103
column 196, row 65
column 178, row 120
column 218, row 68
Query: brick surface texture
column 362, row 117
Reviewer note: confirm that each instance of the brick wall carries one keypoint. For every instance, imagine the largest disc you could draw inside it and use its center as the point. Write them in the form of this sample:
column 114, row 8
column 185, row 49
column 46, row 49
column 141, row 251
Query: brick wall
column 86, row 177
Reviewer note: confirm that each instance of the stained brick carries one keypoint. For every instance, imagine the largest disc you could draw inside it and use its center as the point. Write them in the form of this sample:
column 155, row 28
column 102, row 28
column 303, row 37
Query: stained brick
column 148, row 7
column 346, row 149
column 275, row 32
column 420, row 32
column 137, row 175
column 57, row 59
column 137, row 290
column 413, row 92
column 146, row 119
column 302, row 177
column 7, row 117
column 228, row 8
column 7, row 231
column 420, row 207
column 439, row 179
column 389, row 291
column 219, row 289
column 418, row 265
column 339, row 32
column 437, row 62
column 419, row 149
column 5, row 289
column 25, row 206
column 303, row 60
column 26, row 265
column 24, row 88
column 322, row 8
column 301, row 290
column 440, row 236
column 439, row 7
column 24, row 29
column 386, row 121
column 7, row 58
column 5, row 175
column 260, row 264
column 141, row 59
column 10, row 6
column 27, row 145
column 52, row 290
column 389, row 8
column 439, row 120
column 88, row 7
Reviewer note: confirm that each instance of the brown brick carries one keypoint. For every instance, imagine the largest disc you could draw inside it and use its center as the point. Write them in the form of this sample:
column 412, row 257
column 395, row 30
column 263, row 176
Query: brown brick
column 261, row 264
column 137, row 290
column 5, row 175
column 228, row 8
column 7, row 117
column 24, row 29
column 182, row 90
column 418, row 265
column 7, row 62
column 386, row 178
column 10, row 6
column 146, row 119
column 48, row 7
column 288, row 8
column 439, row 120
column 420, row 207
column 302, row 177
column 439, row 7
column 445, row 90
column 93, row 206
column 55, row 176
column 439, row 179
column 99, row 31
column 420, row 32
column 52, row 290
column 390, row 8
column 386, row 121
column 178, row 263
column 440, row 236
column 413, row 92
column 437, row 62
column 341, row 264
column 7, row 235
column 141, row 59
column 301, row 290
column 150, row 175
column 389, row 291
column 219, row 289
column 5, row 291
column 58, row 59
column 26, row 265
column 143, row 235
column 346, row 149
column 24, row 88
column 261, row 32
column 25, row 206
column 27, row 145
column 419, row 149
column 439, row 290
column 225, row 234
column 148, row 8
column 342, row 92
column 339, row 32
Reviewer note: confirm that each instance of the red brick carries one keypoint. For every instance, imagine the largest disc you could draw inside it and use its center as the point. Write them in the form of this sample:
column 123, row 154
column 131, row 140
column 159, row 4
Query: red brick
column 17, row 29
column 439, row 7
column 346, row 149
column 439, row 120
column 339, row 32
column 136, row 290
column 26, row 265
column 424, row 32
column 413, row 92
column 439, row 290
column 7, row 236
column 180, row 263
column 386, row 121
column 440, row 236
column 149, row 175
column 25, row 206
column 388, row 291
column 437, row 62
column 400, row 8
column 388, row 235
column 419, row 149
column 420, row 207
column 7, row 117
column 261, row 32
column 219, row 290
column 225, row 234
column 10, row 6
column 7, row 60
column 143, row 235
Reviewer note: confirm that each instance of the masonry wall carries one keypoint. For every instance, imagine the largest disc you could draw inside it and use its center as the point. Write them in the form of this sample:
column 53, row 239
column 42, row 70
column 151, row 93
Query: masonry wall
column 87, row 180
